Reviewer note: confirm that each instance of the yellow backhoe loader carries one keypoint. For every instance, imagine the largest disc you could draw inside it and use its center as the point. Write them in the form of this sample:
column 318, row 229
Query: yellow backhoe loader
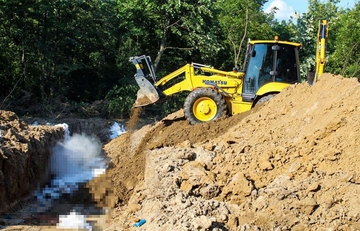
column 269, row 67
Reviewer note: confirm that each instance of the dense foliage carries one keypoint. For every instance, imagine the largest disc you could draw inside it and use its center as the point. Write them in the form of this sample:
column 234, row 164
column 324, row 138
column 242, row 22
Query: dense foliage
column 59, row 52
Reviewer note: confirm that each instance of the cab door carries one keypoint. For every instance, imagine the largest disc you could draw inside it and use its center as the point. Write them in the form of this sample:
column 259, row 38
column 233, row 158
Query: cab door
column 266, row 63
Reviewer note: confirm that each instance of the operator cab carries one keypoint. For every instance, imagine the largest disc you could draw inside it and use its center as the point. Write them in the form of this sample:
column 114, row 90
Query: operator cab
column 267, row 62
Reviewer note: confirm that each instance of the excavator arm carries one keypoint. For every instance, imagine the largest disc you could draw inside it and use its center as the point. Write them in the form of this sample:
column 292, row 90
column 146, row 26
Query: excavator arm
column 177, row 81
column 320, row 57
column 183, row 79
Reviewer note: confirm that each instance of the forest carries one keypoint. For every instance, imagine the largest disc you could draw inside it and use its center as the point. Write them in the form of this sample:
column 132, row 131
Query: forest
column 67, row 57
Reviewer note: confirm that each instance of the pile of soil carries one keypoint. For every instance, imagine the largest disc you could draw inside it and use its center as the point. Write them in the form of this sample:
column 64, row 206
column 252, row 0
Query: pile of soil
column 291, row 164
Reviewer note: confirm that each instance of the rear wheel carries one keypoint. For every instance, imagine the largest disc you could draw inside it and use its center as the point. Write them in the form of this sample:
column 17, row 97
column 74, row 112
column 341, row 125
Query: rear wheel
column 204, row 104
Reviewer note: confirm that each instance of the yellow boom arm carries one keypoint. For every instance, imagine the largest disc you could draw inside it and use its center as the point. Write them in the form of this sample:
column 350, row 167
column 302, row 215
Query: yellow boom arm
column 186, row 79
column 320, row 58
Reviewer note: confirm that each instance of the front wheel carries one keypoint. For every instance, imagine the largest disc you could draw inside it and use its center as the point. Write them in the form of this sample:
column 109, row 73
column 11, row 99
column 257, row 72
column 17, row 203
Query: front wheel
column 204, row 104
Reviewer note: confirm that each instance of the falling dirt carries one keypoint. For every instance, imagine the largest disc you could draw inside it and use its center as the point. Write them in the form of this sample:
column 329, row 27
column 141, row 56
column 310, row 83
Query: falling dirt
column 291, row 164
column 134, row 118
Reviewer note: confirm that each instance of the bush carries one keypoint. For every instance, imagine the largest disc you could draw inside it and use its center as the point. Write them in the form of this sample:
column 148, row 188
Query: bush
column 121, row 100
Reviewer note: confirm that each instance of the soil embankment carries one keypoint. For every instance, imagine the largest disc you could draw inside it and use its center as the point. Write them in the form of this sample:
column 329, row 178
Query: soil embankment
column 24, row 157
column 289, row 165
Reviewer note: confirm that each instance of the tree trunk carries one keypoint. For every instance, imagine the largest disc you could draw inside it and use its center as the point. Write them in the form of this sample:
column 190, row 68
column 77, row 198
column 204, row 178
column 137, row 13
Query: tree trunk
column 237, row 56
column 162, row 47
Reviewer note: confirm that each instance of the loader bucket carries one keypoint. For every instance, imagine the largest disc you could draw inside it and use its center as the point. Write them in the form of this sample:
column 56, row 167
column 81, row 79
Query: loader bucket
column 147, row 94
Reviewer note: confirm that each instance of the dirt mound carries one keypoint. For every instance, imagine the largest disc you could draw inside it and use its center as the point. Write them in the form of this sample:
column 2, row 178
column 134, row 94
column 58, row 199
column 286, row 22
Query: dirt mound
column 127, row 151
column 298, row 159
column 24, row 155
column 289, row 165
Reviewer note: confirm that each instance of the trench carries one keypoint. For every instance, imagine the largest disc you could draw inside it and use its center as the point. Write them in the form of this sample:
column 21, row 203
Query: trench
column 64, row 200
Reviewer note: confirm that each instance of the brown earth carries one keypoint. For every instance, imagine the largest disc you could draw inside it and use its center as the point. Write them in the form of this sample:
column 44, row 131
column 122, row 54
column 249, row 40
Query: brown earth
column 24, row 155
column 292, row 164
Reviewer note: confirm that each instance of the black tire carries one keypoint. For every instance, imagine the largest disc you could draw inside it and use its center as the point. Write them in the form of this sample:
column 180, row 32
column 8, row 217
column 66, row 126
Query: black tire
column 204, row 104
column 264, row 99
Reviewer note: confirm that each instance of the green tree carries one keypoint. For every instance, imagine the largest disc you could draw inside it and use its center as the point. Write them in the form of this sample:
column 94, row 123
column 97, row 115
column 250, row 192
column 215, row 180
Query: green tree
column 55, row 47
column 175, row 29
column 306, row 29
column 15, row 40
column 345, row 60
column 172, row 32
column 193, row 23
column 240, row 20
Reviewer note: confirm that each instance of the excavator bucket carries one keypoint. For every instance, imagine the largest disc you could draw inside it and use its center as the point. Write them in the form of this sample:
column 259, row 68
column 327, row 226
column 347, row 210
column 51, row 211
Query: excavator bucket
column 148, row 93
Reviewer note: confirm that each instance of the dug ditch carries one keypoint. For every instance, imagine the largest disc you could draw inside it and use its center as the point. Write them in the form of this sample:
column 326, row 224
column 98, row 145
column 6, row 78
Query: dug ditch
column 51, row 168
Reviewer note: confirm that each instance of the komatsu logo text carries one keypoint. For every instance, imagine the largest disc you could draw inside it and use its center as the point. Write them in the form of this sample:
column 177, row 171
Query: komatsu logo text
column 214, row 82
